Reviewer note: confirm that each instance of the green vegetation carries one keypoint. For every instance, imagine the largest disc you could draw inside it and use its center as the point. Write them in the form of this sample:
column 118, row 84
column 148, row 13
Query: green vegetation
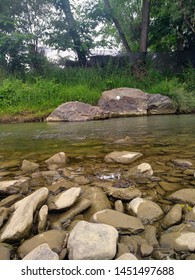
column 38, row 96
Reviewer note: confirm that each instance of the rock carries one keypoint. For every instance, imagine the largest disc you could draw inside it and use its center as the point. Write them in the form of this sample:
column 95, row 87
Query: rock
column 173, row 216
column 124, row 157
column 122, row 193
column 182, row 163
column 11, row 199
column 60, row 220
column 42, row 218
column 56, row 161
column 121, row 221
column 88, row 241
column 118, row 206
column 179, row 241
column 76, row 111
column 127, row 256
column 146, row 250
column 159, row 104
column 148, row 211
column 143, row 170
column 14, row 186
column 56, row 240
column 20, row 223
column 64, row 199
column 99, row 201
column 28, row 166
column 124, row 102
column 45, row 174
column 5, row 251
column 150, row 235
column 42, row 252
column 190, row 216
column 4, row 214
column 184, row 195
column 130, row 242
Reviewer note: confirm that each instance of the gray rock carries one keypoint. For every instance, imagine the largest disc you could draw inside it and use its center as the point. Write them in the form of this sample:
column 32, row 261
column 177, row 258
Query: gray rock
column 88, row 241
column 173, row 216
column 190, row 216
column 124, row 157
column 127, row 256
column 150, row 235
column 146, row 250
column 99, row 201
column 76, row 111
column 144, row 170
column 182, row 163
column 28, row 166
column 56, row 161
column 122, row 193
column 42, row 252
column 118, row 206
column 160, row 104
column 121, row 221
column 14, row 186
column 179, row 241
column 56, row 239
column 124, row 102
column 5, row 251
column 42, row 218
column 64, row 199
column 148, row 211
column 184, row 195
column 60, row 220
column 20, row 223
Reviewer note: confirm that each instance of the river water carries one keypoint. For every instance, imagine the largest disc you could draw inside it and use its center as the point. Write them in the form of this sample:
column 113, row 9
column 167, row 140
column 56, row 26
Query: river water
column 157, row 137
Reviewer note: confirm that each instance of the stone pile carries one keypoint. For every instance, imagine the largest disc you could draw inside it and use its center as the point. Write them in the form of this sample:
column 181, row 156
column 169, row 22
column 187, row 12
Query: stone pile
column 54, row 211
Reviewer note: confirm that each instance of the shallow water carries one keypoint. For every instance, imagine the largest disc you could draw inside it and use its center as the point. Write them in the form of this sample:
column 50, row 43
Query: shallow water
column 156, row 137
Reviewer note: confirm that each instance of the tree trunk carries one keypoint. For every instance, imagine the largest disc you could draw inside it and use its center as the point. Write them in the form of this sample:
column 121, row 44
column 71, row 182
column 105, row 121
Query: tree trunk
column 145, row 25
column 81, row 53
column 118, row 26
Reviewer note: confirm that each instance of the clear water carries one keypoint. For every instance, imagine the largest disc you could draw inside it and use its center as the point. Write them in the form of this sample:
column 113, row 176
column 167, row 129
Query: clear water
column 156, row 137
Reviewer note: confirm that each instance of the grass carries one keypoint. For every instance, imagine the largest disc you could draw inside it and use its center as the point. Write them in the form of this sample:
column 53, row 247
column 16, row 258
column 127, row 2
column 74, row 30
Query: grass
column 39, row 96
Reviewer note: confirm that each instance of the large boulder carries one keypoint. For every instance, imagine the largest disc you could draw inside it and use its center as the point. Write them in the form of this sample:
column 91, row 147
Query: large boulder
column 76, row 111
column 159, row 104
column 124, row 102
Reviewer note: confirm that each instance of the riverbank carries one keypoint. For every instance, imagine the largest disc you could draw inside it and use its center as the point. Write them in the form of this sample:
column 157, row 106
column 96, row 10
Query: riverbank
column 33, row 98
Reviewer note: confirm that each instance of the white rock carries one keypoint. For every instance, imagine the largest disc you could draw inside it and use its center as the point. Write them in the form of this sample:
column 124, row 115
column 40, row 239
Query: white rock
column 43, row 214
column 42, row 252
column 57, row 161
column 88, row 241
column 127, row 256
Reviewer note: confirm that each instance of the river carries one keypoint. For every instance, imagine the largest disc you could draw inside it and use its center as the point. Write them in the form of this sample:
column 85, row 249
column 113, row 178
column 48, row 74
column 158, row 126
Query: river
column 155, row 136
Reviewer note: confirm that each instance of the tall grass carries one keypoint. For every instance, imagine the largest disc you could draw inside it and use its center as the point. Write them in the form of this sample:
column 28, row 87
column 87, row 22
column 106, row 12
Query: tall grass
column 41, row 95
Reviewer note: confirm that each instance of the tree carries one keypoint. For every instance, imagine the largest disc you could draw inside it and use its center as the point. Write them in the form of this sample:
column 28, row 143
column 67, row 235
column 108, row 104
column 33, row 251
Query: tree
column 145, row 26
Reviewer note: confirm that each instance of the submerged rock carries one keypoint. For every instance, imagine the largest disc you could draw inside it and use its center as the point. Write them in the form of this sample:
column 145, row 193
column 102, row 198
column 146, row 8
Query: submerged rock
column 124, row 157
column 183, row 195
column 57, row 161
column 88, row 241
column 29, row 166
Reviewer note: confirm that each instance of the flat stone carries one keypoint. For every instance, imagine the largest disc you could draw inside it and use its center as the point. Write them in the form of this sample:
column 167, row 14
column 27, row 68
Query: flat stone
column 147, row 210
column 182, row 163
column 76, row 111
column 20, row 223
column 42, row 252
column 121, row 221
column 56, row 240
column 122, row 193
column 184, row 195
column 173, row 216
column 124, row 157
column 64, row 199
column 88, row 241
